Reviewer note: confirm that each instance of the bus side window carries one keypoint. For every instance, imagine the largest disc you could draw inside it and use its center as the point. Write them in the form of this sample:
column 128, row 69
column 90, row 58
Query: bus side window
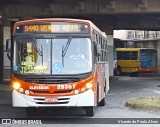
column 119, row 55
column 134, row 55
column 126, row 55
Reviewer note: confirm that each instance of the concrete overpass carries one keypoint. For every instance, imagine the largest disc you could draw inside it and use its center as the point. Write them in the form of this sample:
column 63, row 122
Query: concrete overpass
column 108, row 15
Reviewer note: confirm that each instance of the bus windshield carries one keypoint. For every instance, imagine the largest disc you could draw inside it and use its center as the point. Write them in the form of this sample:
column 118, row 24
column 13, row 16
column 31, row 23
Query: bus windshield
column 45, row 56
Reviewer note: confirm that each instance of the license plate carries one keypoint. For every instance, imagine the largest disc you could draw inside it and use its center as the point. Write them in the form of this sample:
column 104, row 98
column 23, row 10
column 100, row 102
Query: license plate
column 51, row 99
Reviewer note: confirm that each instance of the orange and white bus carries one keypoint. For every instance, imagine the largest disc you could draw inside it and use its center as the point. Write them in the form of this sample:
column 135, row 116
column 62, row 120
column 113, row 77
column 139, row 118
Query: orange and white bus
column 58, row 62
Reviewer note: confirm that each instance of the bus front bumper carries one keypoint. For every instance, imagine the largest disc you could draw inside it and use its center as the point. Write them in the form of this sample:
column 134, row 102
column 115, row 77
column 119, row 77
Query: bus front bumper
column 79, row 100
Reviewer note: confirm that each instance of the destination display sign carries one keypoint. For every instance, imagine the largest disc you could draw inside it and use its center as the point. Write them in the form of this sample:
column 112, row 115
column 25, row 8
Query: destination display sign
column 53, row 27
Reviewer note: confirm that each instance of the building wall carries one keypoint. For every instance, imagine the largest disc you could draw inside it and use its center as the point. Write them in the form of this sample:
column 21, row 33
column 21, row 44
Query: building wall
column 120, row 34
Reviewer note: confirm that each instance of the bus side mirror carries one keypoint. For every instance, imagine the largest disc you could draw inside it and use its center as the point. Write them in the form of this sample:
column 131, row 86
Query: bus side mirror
column 97, row 48
column 8, row 49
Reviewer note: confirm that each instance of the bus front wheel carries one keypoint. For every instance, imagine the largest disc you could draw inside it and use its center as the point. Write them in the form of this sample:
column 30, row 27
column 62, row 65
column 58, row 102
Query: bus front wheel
column 90, row 111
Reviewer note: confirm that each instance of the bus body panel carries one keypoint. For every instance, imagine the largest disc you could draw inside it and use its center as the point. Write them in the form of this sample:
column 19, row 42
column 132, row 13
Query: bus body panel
column 107, row 77
column 79, row 100
column 128, row 65
column 100, row 81
column 18, row 99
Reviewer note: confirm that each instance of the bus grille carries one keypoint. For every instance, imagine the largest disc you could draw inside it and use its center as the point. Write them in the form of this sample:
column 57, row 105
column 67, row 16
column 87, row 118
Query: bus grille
column 60, row 101
column 47, row 92
column 51, row 102
column 51, row 80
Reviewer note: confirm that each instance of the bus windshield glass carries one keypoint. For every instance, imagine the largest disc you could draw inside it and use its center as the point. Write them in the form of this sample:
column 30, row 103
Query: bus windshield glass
column 45, row 56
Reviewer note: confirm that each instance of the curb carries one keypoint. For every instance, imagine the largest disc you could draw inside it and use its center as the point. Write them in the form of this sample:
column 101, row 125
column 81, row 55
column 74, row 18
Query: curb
column 121, row 78
column 130, row 105
column 126, row 78
column 142, row 106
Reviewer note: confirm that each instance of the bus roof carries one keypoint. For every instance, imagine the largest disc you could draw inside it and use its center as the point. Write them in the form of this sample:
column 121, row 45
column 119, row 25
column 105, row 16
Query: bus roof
column 61, row 20
column 133, row 49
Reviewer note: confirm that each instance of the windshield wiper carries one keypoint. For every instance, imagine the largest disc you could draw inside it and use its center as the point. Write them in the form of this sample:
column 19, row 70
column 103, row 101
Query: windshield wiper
column 64, row 49
column 40, row 51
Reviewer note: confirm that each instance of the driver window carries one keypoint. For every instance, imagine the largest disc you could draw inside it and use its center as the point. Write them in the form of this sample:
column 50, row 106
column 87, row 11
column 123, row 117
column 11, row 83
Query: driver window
column 29, row 57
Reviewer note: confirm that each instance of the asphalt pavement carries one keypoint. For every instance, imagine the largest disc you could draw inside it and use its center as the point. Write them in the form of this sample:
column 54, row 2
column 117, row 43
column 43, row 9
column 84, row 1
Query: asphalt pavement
column 121, row 89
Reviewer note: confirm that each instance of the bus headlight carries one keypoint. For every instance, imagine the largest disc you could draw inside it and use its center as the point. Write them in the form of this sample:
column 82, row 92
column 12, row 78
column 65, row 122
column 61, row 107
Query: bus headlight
column 16, row 85
column 89, row 85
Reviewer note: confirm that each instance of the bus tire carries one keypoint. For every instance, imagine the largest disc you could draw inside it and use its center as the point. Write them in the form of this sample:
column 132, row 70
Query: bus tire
column 118, row 71
column 31, row 111
column 90, row 111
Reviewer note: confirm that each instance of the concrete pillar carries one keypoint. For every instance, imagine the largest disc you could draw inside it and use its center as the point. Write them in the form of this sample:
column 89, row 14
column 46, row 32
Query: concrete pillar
column 1, row 51
column 110, row 54
column 6, row 63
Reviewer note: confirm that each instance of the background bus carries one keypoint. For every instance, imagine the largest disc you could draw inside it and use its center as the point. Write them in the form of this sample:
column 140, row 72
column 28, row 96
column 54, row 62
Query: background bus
column 135, row 60
column 58, row 63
